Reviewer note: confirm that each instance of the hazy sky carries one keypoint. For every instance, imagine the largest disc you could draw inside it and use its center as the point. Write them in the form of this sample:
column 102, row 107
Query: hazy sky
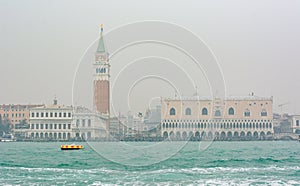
column 256, row 42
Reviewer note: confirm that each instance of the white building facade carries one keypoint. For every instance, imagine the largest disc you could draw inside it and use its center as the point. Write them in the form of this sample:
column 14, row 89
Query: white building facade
column 51, row 123
column 295, row 122
column 88, row 125
column 63, row 123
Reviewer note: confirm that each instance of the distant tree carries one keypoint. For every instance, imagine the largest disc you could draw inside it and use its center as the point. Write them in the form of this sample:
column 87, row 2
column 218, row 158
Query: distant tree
column 1, row 131
column 4, row 127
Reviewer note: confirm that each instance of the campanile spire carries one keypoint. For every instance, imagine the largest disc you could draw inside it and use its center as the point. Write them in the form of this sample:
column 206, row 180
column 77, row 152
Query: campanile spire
column 101, row 47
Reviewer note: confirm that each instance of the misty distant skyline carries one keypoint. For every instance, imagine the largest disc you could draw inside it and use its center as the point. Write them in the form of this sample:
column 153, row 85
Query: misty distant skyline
column 255, row 42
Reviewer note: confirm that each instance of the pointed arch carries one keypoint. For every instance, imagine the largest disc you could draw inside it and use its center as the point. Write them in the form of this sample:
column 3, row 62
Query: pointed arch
column 172, row 111
column 188, row 111
column 204, row 111
column 230, row 111
column 218, row 113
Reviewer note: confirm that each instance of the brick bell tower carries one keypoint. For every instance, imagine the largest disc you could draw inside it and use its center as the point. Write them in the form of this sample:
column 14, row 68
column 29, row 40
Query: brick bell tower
column 101, row 80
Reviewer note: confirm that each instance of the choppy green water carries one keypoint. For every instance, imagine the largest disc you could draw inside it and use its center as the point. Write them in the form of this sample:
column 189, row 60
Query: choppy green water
column 231, row 163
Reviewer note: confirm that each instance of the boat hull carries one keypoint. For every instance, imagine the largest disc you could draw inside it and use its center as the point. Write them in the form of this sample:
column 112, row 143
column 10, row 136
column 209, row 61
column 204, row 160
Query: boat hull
column 71, row 147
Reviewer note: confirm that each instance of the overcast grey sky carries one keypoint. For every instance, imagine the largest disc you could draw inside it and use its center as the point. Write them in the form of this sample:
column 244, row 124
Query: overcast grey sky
column 256, row 42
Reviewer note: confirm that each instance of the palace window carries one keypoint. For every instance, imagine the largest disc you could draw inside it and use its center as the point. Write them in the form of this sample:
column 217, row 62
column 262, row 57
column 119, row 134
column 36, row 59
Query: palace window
column 32, row 114
column 231, row 111
column 218, row 113
column 65, row 114
column 172, row 111
column 46, row 114
column 188, row 111
column 247, row 113
column 89, row 123
column 83, row 122
column 297, row 123
column 51, row 114
column 69, row 114
column 42, row 114
column 32, row 126
column 264, row 112
column 89, row 135
column 204, row 111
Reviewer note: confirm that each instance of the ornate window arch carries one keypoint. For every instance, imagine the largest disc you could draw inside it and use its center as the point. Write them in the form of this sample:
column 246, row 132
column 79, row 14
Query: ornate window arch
column 218, row 113
column 172, row 111
column 230, row 111
column 188, row 111
column 204, row 111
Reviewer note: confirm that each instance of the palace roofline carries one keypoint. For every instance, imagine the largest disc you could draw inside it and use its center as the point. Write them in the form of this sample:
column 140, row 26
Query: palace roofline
column 229, row 98
column 52, row 107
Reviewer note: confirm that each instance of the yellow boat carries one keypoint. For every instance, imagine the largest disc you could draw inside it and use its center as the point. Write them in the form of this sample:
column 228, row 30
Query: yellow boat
column 71, row 147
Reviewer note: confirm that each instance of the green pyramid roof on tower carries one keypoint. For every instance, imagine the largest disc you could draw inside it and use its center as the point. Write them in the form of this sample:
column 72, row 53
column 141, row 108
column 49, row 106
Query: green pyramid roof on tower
column 101, row 47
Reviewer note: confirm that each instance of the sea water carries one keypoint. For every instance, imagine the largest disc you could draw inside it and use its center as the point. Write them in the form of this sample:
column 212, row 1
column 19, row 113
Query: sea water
column 222, row 163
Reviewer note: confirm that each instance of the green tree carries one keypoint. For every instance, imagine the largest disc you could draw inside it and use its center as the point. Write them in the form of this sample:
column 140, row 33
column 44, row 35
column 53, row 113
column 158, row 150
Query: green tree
column 4, row 127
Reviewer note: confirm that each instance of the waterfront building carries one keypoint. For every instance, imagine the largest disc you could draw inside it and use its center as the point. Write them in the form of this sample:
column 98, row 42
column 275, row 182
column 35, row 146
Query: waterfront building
column 60, row 122
column 152, row 118
column 16, row 114
column 152, row 121
column 284, row 127
column 295, row 123
column 88, row 125
column 135, row 125
column 101, row 74
column 53, row 122
column 117, row 129
column 249, row 117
